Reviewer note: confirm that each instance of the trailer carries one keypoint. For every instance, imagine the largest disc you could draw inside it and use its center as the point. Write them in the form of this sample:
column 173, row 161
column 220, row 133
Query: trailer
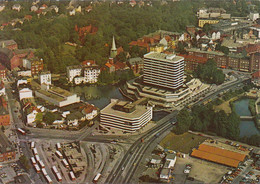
column 33, row 161
column 54, row 169
column 37, row 168
column 58, row 176
column 37, row 158
column 32, row 145
column 47, row 177
column 97, row 177
column 41, row 164
column 44, row 172
column 35, row 152
column 21, row 131
column 58, row 146
column 65, row 163
column 72, row 176
column 58, row 153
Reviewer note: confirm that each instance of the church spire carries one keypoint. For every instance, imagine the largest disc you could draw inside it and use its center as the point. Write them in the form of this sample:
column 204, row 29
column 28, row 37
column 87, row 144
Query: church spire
column 113, row 51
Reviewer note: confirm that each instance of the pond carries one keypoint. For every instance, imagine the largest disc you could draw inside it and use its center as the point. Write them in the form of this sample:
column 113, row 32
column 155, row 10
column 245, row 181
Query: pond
column 98, row 95
column 247, row 128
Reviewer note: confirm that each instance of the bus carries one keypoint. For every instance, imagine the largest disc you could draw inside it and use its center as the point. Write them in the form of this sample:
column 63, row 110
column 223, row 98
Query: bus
column 35, row 152
column 37, row 168
column 44, row 172
column 58, row 176
column 47, row 177
column 37, row 158
column 58, row 146
column 97, row 177
column 41, row 164
column 21, row 131
column 32, row 145
column 59, row 154
column 33, row 160
column 65, row 163
column 72, row 176
column 54, row 169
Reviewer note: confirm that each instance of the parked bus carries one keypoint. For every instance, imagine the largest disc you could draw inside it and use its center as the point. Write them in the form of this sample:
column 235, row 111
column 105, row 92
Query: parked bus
column 41, row 164
column 37, row 168
column 58, row 153
column 32, row 145
column 21, row 131
column 65, row 163
column 72, row 176
column 33, row 160
column 35, row 152
column 47, row 177
column 44, row 172
column 58, row 176
column 58, row 146
column 37, row 158
column 54, row 169
column 97, row 177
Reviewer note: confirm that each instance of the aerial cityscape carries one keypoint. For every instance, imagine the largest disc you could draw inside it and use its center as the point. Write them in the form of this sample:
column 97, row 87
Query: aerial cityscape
column 129, row 91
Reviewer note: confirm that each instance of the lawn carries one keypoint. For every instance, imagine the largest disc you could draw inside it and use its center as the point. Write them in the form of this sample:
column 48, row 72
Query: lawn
column 183, row 143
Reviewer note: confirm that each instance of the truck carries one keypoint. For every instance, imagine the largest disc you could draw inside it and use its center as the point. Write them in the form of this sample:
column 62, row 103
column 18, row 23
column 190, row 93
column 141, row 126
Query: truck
column 65, row 163
column 37, row 168
column 58, row 153
column 41, row 164
column 37, row 158
column 49, row 181
column 72, row 176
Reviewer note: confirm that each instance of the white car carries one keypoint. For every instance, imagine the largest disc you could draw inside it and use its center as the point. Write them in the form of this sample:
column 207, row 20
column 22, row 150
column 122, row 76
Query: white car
column 186, row 171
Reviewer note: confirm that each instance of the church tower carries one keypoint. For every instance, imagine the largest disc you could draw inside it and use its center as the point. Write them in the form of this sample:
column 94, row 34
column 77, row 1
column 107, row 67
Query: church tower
column 113, row 51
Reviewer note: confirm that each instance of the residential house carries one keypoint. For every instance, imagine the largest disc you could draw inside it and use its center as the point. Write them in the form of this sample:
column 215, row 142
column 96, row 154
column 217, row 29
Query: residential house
column 73, row 71
column 55, row 8
column 132, row 3
column 10, row 44
column 136, row 64
column 256, row 78
column 192, row 62
column 110, row 67
column 90, row 111
column 17, row 7
column 43, row 7
column 253, row 16
column 45, row 77
column 3, row 72
column 36, row 66
column 88, row 8
column 34, row 8
column 7, row 151
column 91, row 73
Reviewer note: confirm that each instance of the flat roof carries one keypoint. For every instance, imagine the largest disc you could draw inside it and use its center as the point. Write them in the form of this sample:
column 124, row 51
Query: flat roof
column 139, row 111
column 164, row 57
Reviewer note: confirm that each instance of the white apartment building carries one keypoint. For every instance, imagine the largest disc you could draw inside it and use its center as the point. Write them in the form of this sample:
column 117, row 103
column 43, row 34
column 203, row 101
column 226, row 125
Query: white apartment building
column 73, row 71
column 45, row 78
column 85, row 74
column 163, row 70
column 25, row 93
column 91, row 74
column 125, row 116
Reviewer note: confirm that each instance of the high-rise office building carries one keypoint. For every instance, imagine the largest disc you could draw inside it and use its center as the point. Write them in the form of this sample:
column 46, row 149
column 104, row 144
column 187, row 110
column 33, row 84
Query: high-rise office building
column 164, row 70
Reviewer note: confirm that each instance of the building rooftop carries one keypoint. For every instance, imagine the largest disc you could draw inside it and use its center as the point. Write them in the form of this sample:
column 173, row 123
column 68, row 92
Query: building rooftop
column 5, row 144
column 7, row 42
column 164, row 57
column 206, row 52
column 136, row 113
column 74, row 67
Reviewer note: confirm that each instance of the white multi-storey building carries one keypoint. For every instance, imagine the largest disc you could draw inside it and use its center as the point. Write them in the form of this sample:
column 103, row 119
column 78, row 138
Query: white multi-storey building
column 25, row 93
column 45, row 78
column 125, row 116
column 91, row 74
column 163, row 70
column 85, row 74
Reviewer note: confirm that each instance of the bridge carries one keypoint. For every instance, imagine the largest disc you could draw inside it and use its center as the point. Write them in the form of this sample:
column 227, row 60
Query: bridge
column 247, row 118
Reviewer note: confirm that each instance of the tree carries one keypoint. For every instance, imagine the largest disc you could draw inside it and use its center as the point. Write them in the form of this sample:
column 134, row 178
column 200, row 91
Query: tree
column 24, row 161
column 39, row 117
column 184, row 121
column 207, row 28
column 49, row 118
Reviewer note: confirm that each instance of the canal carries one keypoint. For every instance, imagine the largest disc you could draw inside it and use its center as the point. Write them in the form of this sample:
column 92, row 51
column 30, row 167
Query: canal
column 247, row 128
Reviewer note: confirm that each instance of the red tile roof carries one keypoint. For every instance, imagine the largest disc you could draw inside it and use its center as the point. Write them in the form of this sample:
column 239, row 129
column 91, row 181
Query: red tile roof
column 108, row 65
column 119, row 65
column 256, row 74
column 253, row 48
column 92, row 62
column 89, row 108
column 192, row 58
column 119, row 50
